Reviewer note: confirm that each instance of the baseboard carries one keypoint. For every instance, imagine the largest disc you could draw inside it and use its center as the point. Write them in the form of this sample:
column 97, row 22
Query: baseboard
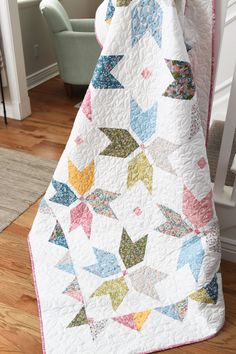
column 8, row 109
column 42, row 75
column 228, row 249
column 17, row 110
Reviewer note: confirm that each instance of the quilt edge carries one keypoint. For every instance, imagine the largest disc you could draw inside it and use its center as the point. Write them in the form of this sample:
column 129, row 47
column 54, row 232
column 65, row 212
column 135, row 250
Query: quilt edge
column 213, row 68
column 185, row 343
column 147, row 352
column 37, row 296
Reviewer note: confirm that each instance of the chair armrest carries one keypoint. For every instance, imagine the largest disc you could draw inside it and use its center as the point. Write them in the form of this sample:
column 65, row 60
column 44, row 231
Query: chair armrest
column 77, row 54
column 83, row 25
column 73, row 43
column 74, row 38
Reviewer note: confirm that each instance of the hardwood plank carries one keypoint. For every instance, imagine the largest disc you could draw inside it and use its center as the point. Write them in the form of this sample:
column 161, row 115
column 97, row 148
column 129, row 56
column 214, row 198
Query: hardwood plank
column 45, row 134
column 7, row 347
column 21, row 329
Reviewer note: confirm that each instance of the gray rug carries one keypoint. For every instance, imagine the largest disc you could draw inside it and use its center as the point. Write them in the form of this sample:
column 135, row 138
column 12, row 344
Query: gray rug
column 23, row 179
column 213, row 150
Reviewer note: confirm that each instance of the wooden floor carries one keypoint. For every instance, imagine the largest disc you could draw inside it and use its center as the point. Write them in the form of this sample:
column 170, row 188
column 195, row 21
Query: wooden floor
column 45, row 134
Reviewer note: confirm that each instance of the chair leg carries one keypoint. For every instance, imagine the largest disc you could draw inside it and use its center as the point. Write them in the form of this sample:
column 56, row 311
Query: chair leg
column 69, row 89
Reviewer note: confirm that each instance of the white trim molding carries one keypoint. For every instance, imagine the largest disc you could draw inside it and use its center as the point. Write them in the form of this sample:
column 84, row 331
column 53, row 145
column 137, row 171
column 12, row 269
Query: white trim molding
column 231, row 13
column 230, row 18
column 231, row 3
column 17, row 110
column 228, row 247
column 224, row 85
column 221, row 99
column 19, row 104
column 42, row 75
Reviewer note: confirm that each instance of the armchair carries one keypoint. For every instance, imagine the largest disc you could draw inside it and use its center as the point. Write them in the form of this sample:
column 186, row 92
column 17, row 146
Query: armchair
column 75, row 44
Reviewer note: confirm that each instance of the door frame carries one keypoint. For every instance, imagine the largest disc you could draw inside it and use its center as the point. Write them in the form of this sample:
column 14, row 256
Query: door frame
column 17, row 98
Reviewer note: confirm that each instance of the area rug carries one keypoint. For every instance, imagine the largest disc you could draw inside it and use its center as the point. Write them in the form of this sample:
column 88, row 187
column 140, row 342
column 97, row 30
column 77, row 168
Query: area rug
column 23, row 179
column 125, row 245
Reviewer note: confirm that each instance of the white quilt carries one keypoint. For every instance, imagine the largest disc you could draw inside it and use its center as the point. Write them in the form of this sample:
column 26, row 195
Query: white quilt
column 125, row 246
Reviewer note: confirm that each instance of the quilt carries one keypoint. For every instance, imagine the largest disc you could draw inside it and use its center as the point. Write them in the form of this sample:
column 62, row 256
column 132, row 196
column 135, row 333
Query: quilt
column 125, row 246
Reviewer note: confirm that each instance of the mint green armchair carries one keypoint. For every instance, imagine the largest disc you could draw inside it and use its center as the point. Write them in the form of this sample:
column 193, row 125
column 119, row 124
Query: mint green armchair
column 75, row 43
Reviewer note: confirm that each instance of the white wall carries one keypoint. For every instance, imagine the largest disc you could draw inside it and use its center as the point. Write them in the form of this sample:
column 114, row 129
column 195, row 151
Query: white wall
column 226, row 64
column 35, row 32
column 39, row 55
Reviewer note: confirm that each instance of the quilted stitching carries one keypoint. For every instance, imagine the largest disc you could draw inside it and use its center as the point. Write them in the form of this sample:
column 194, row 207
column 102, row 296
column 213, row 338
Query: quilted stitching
column 126, row 241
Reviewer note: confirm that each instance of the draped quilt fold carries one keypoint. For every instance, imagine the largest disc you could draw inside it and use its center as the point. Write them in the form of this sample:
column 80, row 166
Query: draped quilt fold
column 125, row 245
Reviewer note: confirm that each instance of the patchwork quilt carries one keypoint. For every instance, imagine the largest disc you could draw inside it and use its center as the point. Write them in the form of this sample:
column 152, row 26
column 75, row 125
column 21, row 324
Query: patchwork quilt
column 125, row 245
